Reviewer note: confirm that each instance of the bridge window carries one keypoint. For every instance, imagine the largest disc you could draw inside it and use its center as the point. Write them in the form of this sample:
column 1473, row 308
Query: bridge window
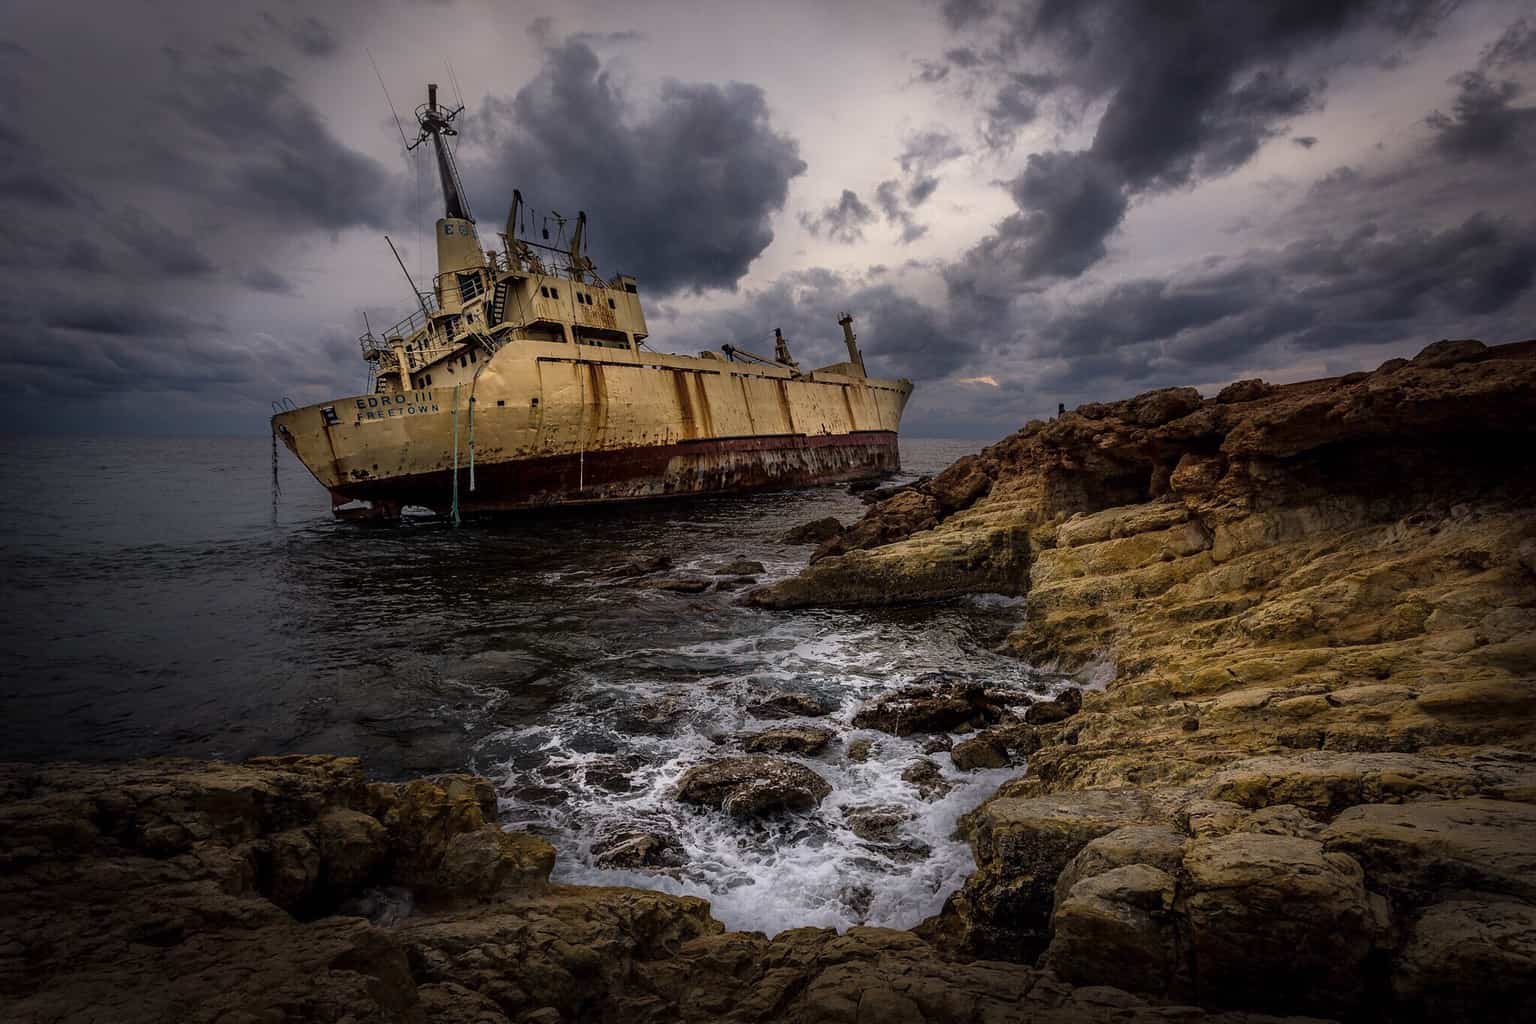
column 544, row 291
column 611, row 305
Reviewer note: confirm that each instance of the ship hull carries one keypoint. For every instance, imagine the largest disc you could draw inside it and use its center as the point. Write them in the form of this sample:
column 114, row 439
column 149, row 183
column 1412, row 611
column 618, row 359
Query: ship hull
column 550, row 424
column 702, row 467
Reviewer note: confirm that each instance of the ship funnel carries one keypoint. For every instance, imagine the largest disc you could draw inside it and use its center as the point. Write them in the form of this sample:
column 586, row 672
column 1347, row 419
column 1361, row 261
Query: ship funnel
column 855, row 358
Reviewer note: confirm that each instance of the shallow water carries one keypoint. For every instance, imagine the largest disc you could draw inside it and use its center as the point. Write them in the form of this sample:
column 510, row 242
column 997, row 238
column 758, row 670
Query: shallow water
column 155, row 607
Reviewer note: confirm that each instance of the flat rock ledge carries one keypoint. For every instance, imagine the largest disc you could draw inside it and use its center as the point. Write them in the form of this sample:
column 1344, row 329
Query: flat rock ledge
column 753, row 786
column 198, row 892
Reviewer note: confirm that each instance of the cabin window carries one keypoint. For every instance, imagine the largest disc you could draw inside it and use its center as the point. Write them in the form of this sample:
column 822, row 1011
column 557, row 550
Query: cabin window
column 533, row 403
column 611, row 305
column 631, row 288
column 429, row 380
column 544, row 291
column 471, row 355
column 554, row 293
column 501, row 402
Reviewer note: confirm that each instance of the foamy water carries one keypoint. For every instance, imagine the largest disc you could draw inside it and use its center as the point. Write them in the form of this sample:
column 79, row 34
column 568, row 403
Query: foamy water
column 785, row 872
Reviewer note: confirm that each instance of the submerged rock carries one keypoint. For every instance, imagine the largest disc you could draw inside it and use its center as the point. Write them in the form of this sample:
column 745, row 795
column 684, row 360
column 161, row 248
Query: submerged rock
column 860, row 749
column 927, row 778
column 790, row 739
column 741, row 567
column 753, row 786
column 641, row 565
column 680, row 585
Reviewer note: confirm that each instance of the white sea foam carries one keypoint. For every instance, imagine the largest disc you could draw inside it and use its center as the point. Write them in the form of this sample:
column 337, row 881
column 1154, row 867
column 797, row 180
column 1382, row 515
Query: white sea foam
column 797, row 870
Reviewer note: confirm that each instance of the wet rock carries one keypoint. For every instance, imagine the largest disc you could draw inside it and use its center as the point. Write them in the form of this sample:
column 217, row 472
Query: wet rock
column 641, row 565
column 735, row 583
column 753, row 786
column 792, row 739
column 1066, row 704
column 979, row 752
column 889, row 491
column 929, row 707
column 785, row 704
column 612, row 774
column 860, row 749
column 878, row 823
column 817, row 531
column 741, row 567
column 926, row 777
column 638, row 850
column 937, row 744
column 1250, row 390
column 679, row 585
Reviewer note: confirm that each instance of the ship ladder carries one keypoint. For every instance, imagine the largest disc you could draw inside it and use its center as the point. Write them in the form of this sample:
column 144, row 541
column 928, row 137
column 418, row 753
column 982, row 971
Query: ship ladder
column 499, row 303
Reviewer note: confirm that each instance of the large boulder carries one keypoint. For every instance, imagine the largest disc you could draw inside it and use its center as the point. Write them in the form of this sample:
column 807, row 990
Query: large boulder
column 753, row 786
column 817, row 531
column 925, row 707
column 1467, row 960
column 1279, row 922
column 789, row 739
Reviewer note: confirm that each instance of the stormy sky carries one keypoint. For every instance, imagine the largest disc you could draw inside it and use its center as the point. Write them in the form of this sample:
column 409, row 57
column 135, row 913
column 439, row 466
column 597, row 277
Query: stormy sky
column 1023, row 203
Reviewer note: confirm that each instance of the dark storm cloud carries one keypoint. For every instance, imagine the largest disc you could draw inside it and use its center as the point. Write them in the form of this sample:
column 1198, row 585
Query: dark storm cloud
column 1305, row 141
column 893, row 202
column 1190, row 91
column 926, row 150
column 1517, row 45
column 842, row 221
column 248, row 140
column 1328, row 291
column 681, row 191
column 1484, row 122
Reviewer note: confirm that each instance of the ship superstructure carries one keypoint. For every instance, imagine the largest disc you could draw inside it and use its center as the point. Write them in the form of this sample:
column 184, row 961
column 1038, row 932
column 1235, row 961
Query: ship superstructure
column 522, row 379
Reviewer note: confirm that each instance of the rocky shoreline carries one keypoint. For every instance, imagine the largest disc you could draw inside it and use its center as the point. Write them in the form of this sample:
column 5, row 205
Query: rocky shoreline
column 1300, row 777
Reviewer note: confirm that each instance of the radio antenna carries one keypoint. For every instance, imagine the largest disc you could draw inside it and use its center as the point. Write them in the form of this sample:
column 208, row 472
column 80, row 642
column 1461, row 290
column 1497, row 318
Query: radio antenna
column 398, row 127
column 420, row 301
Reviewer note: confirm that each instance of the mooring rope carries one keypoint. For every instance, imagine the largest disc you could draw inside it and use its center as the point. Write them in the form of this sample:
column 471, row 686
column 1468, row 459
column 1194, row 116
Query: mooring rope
column 456, row 454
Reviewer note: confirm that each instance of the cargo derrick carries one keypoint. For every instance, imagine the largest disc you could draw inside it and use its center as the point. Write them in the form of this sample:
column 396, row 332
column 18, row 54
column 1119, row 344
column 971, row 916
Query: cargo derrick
column 521, row 381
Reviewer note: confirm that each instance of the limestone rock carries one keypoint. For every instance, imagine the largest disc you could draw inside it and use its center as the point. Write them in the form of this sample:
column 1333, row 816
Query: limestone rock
column 978, row 752
column 752, row 786
column 679, row 585
column 1118, row 924
column 1250, row 390
column 860, row 749
column 1066, row 704
column 1468, row 960
column 741, row 567
column 1450, row 353
column 1276, row 921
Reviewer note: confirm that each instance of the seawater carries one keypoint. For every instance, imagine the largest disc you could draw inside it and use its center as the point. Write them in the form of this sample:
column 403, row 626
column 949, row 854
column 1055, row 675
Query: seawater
column 155, row 605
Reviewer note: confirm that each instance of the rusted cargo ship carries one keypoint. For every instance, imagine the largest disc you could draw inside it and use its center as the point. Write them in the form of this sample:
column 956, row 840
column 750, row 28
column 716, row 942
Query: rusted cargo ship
column 524, row 379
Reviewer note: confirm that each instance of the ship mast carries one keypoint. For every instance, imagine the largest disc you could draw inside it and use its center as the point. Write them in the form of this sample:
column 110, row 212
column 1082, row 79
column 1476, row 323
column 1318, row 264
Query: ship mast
column 436, row 123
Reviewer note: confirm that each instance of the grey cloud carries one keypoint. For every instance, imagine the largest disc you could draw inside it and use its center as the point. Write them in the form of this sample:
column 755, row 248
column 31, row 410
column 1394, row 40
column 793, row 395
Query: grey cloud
column 1483, row 122
column 926, row 150
column 309, row 35
column 682, row 193
column 1188, row 95
column 255, row 144
column 1517, row 45
column 893, row 203
column 842, row 221
column 899, row 335
column 1305, row 141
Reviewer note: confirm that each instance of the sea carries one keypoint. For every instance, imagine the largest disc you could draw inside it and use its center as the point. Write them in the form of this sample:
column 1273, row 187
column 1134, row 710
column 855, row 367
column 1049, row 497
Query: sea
column 163, row 598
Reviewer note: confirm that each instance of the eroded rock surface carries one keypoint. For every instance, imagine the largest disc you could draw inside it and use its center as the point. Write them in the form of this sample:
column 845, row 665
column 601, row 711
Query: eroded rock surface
column 753, row 786
column 1307, row 785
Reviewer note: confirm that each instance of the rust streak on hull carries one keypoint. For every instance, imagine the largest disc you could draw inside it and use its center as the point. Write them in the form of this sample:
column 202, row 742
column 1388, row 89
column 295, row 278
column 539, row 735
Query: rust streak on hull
column 724, row 465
